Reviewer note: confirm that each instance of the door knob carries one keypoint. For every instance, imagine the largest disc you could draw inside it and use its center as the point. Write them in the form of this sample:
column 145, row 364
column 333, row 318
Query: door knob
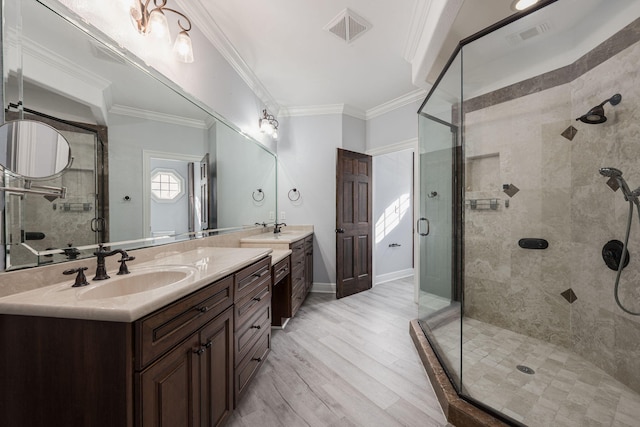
column 339, row 230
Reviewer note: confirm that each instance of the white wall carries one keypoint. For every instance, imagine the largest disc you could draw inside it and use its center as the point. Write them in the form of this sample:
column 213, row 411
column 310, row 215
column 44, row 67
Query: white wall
column 354, row 134
column 394, row 126
column 393, row 215
column 307, row 161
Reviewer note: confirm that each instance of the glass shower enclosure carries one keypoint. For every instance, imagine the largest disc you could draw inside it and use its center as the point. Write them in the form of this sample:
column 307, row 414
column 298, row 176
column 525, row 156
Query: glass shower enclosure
column 518, row 226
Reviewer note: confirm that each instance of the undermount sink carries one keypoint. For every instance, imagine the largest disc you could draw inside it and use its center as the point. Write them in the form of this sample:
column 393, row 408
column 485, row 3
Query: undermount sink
column 136, row 282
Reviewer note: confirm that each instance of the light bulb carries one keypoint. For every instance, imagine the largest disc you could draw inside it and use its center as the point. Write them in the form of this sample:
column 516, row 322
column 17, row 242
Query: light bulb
column 183, row 48
column 159, row 27
column 264, row 126
column 523, row 4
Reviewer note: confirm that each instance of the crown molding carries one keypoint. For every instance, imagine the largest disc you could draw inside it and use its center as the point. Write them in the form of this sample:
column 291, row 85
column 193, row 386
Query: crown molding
column 203, row 20
column 319, row 110
column 409, row 98
column 409, row 144
column 34, row 50
column 124, row 110
column 416, row 28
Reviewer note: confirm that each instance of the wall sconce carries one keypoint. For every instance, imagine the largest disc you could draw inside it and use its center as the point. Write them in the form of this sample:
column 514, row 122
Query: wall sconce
column 154, row 23
column 268, row 124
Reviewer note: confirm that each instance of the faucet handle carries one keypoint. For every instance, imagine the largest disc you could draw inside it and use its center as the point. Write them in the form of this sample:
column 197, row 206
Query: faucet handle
column 101, row 250
column 123, row 266
column 81, row 279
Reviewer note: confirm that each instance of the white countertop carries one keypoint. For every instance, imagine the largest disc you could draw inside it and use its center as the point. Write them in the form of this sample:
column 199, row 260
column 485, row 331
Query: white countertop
column 285, row 236
column 279, row 254
column 202, row 267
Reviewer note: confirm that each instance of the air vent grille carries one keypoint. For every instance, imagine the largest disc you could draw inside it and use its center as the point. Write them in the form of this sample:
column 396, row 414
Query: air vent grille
column 521, row 36
column 348, row 25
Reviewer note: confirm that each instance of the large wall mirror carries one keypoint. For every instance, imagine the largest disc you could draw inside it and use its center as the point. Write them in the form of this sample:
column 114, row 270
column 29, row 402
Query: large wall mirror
column 150, row 164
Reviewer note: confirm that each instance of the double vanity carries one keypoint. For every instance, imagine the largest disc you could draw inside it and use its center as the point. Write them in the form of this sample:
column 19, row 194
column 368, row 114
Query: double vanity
column 175, row 342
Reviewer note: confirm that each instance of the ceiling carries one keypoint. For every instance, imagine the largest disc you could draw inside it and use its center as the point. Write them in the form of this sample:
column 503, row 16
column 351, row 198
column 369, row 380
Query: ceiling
column 298, row 63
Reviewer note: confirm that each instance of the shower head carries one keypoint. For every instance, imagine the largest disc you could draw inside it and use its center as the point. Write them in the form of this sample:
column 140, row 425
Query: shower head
column 596, row 114
column 617, row 181
column 610, row 172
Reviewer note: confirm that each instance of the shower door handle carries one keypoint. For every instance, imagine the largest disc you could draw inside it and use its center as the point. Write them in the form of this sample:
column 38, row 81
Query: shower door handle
column 428, row 226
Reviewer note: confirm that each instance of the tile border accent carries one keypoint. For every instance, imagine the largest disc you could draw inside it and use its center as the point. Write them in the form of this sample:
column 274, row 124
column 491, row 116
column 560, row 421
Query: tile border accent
column 457, row 411
column 615, row 44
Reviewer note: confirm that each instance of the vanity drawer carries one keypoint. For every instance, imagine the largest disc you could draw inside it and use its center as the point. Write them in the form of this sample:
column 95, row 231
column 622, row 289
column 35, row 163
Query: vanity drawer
column 160, row 331
column 252, row 277
column 251, row 331
column 297, row 262
column 297, row 247
column 250, row 365
column 247, row 306
column 297, row 298
column 281, row 270
column 297, row 283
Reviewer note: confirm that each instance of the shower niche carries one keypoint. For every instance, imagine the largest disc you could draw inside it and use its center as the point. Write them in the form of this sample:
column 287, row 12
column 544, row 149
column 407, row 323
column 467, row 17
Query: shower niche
column 519, row 183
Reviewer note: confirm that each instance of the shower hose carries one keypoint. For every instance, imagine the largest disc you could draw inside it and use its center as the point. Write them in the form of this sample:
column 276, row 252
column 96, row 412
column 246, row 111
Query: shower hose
column 623, row 257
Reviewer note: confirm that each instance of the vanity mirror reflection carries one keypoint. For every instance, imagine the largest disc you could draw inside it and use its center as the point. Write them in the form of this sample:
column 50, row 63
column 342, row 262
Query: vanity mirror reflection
column 150, row 163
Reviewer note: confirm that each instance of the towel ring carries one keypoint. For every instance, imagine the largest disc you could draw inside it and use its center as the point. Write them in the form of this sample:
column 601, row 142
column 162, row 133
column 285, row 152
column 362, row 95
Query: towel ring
column 294, row 191
column 256, row 195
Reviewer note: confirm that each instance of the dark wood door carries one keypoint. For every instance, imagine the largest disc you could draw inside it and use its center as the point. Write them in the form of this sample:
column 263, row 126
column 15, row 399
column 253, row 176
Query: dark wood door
column 217, row 369
column 353, row 223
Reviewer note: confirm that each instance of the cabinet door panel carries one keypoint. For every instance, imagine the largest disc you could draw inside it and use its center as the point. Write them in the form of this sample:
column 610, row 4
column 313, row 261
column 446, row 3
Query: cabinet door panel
column 169, row 389
column 217, row 370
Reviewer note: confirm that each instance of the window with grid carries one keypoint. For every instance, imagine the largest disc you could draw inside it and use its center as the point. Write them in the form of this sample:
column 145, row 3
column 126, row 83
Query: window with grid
column 166, row 185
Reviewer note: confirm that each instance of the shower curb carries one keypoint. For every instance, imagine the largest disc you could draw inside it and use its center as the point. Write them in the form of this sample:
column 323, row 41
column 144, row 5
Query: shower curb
column 457, row 411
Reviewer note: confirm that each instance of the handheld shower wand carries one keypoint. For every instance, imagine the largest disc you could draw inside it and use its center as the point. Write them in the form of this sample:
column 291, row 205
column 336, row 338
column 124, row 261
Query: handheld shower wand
column 632, row 198
column 616, row 174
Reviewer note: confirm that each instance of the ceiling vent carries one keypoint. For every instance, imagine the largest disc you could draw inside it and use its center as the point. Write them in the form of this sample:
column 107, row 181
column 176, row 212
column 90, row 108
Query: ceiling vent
column 348, row 26
column 521, row 36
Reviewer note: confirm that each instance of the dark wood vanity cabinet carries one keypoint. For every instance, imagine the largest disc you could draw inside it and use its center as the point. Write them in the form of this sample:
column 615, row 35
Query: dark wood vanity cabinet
column 252, row 319
column 186, row 364
column 301, row 271
column 190, row 381
column 281, row 291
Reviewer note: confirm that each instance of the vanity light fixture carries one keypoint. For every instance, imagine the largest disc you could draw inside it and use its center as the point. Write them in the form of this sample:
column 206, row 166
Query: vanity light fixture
column 523, row 4
column 155, row 24
column 268, row 124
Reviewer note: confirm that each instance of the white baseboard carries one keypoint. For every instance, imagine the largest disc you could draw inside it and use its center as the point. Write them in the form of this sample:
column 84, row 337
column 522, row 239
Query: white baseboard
column 324, row 288
column 394, row 276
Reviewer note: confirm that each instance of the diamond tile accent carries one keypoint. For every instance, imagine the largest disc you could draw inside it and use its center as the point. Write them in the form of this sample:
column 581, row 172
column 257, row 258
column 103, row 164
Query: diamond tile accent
column 569, row 133
column 510, row 189
column 569, row 295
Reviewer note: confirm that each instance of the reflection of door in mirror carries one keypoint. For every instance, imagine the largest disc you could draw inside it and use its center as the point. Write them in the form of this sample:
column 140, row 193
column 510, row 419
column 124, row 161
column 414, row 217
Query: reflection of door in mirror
column 178, row 199
column 46, row 222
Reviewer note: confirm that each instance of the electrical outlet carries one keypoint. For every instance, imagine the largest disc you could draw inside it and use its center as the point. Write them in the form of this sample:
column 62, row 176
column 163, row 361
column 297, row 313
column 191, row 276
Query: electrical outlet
column 283, row 216
column 272, row 215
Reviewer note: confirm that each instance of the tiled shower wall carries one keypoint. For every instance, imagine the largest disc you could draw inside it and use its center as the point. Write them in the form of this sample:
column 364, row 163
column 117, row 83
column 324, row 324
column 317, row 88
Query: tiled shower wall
column 564, row 200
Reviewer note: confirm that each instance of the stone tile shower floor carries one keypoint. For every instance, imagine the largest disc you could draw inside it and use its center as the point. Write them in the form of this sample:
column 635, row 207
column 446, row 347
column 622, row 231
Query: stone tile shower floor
column 566, row 390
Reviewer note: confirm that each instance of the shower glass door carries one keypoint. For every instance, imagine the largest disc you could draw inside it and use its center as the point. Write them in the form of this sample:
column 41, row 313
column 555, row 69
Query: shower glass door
column 439, row 295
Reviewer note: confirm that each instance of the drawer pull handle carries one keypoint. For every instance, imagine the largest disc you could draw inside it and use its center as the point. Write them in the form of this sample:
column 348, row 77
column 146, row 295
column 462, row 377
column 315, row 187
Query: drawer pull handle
column 208, row 344
column 261, row 274
column 200, row 351
column 257, row 298
column 256, row 327
column 203, row 309
column 257, row 359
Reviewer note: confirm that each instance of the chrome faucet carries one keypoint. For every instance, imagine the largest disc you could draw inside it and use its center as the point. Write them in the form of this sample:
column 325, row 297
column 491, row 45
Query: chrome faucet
column 276, row 227
column 101, row 254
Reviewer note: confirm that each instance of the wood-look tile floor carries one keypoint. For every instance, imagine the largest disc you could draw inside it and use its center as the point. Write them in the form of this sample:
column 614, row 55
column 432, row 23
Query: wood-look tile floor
column 347, row 362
